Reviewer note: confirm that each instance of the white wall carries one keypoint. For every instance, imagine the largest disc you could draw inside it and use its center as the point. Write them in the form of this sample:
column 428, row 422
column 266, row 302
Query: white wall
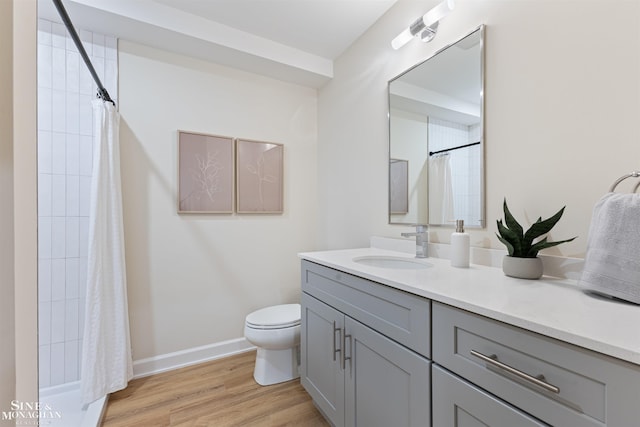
column 554, row 89
column 7, row 312
column 65, row 160
column 24, row 199
column 193, row 278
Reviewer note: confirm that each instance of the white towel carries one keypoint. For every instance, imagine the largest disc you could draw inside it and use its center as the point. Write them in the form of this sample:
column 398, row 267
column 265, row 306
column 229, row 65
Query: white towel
column 612, row 261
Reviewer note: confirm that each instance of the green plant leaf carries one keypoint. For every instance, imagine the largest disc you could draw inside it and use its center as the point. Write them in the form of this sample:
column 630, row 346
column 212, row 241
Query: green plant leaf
column 507, row 244
column 512, row 237
column 541, row 227
column 544, row 244
column 510, row 221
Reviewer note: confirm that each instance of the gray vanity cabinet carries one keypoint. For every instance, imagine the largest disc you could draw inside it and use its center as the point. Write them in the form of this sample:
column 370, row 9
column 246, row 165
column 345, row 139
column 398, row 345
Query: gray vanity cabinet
column 457, row 403
column 558, row 383
column 321, row 371
column 356, row 375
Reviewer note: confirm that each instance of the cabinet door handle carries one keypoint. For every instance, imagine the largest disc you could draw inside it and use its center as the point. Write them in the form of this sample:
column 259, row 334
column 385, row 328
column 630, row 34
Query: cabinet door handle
column 539, row 380
column 344, row 352
column 335, row 350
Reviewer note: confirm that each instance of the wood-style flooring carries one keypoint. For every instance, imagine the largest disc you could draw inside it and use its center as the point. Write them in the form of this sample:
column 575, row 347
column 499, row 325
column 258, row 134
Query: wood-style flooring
column 214, row 394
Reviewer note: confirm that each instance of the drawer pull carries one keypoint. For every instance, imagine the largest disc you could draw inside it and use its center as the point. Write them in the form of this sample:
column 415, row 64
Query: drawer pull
column 345, row 335
column 335, row 350
column 539, row 380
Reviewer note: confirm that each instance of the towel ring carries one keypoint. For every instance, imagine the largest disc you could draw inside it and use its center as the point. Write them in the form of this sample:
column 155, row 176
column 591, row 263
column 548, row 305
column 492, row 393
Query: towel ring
column 634, row 174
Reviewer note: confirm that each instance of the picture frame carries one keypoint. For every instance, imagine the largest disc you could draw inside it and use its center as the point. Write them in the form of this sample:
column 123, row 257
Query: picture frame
column 259, row 177
column 205, row 173
column 398, row 186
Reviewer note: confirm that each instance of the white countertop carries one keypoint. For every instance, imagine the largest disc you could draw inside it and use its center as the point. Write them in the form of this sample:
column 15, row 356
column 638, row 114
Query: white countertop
column 556, row 308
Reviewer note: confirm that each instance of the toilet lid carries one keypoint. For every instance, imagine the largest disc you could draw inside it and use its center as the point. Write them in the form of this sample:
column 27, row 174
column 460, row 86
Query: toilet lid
column 277, row 316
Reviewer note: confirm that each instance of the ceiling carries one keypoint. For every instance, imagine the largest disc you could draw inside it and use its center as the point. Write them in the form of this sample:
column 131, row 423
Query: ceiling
column 292, row 40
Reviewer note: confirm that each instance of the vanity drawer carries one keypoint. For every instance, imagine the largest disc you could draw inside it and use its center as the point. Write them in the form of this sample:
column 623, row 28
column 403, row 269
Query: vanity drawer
column 401, row 316
column 578, row 387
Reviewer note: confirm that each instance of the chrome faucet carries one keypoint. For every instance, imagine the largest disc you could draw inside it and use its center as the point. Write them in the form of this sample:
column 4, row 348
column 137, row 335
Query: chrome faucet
column 422, row 240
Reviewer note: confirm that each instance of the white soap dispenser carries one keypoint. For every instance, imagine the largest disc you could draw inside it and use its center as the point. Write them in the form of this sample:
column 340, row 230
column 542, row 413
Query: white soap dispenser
column 460, row 246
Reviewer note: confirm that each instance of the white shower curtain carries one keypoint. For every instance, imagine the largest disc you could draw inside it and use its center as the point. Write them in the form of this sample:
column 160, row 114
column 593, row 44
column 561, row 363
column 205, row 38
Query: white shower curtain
column 106, row 350
column 440, row 190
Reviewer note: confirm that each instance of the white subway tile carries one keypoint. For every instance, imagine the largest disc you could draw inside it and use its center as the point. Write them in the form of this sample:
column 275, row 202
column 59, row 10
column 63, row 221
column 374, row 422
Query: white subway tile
column 44, row 323
column 44, row 237
column 58, row 153
column 58, row 195
column 73, row 71
column 73, row 239
column 72, row 277
column 85, row 194
column 73, row 154
column 57, row 321
column 98, row 45
column 58, row 35
column 86, row 82
column 44, row 365
column 44, row 32
column 44, row 280
column 111, row 77
column 73, row 113
column 58, row 69
column 58, row 118
column 111, row 47
column 84, row 236
column 45, row 112
column 44, row 194
column 71, row 361
column 80, row 341
column 58, row 279
column 73, row 195
column 82, row 278
column 45, row 66
column 71, row 320
column 44, row 152
column 86, row 155
column 86, row 115
column 57, row 363
column 81, row 317
column 58, row 237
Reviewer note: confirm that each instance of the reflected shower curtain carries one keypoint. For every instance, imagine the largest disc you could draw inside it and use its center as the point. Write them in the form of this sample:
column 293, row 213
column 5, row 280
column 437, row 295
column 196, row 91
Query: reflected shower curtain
column 440, row 190
column 106, row 350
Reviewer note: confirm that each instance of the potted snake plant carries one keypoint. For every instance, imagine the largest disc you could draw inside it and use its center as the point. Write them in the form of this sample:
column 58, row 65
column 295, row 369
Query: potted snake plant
column 522, row 260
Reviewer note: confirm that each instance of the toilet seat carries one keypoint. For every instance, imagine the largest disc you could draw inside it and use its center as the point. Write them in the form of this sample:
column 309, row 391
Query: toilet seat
column 274, row 317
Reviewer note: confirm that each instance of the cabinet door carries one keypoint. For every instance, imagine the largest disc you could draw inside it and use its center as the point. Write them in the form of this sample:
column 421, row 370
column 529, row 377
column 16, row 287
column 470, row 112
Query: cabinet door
column 457, row 403
column 321, row 350
column 386, row 384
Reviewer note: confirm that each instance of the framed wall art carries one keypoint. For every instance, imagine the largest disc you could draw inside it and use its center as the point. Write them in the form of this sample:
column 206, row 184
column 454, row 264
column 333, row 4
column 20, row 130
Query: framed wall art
column 205, row 173
column 259, row 176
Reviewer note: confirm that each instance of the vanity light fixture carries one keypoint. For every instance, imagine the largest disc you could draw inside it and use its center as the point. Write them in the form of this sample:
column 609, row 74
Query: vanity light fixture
column 424, row 27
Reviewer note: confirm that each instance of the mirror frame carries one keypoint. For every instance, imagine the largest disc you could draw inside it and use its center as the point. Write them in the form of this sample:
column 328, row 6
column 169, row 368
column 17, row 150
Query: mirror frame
column 483, row 223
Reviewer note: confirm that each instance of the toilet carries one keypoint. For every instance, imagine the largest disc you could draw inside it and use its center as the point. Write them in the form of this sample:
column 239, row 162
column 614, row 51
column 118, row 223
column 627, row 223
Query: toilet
column 275, row 331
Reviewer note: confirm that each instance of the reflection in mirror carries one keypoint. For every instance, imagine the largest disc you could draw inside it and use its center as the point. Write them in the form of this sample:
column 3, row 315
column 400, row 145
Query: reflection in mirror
column 436, row 138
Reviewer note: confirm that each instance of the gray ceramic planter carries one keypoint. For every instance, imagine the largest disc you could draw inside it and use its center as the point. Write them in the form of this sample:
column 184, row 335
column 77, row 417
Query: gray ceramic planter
column 522, row 268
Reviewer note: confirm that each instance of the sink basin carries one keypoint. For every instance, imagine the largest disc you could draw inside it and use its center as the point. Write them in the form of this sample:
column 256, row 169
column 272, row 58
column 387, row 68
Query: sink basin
column 398, row 263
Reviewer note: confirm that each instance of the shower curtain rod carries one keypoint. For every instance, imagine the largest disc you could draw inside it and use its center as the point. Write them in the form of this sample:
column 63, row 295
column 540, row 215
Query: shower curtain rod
column 431, row 153
column 102, row 92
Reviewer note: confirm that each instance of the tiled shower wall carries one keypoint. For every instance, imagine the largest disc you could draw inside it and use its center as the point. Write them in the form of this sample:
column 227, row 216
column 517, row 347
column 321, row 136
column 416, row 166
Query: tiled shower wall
column 65, row 127
column 466, row 173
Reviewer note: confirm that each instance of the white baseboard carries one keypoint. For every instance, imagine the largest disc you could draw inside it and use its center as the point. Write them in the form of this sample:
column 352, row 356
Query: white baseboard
column 191, row 356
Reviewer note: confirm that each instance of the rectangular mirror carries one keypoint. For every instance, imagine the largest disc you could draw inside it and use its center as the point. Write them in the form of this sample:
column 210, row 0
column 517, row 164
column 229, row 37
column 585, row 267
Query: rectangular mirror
column 436, row 138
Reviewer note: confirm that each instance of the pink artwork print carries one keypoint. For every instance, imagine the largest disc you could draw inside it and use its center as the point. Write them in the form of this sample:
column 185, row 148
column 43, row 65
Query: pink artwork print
column 205, row 173
column 259, row 176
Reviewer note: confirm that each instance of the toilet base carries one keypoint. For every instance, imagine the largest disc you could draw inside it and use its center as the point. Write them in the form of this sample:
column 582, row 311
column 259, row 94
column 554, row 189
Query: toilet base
column 276, row 366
